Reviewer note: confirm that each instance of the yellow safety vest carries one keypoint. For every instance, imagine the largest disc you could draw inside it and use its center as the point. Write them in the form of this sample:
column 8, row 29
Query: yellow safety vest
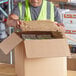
column 43, row 12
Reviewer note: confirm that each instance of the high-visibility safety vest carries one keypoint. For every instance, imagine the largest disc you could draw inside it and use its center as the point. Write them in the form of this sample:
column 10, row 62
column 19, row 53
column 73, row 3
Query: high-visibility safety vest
column 43, row 12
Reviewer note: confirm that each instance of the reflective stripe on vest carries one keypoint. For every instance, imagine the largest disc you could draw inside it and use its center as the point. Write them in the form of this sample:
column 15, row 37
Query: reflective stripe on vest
column 52, row 12
column 43, row 13
column 20, row 9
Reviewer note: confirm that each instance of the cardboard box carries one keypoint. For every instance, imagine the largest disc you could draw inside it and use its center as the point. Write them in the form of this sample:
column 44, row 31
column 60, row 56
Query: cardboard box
column 72, row 62
column 39, row 57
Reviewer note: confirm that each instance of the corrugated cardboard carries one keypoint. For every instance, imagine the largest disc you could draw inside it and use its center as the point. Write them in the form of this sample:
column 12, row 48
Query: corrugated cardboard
column 9, row 43
column 46, row 48
column 44, row 57
column 72, row 62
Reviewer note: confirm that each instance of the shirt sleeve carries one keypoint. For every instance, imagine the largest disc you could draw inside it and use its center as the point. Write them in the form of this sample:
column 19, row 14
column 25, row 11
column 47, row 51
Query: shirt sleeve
column 57, row 14
column 17, row 11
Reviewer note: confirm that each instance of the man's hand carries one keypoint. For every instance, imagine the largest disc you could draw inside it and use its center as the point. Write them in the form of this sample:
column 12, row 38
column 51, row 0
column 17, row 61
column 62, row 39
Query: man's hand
column 13, row 21
column 61, row 28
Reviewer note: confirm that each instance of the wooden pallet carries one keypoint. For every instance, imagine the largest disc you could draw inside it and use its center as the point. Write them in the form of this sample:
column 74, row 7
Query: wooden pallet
column 7, row 70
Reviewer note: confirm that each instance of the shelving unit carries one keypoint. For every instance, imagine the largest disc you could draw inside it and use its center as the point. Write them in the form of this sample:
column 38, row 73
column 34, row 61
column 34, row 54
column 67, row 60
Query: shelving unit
column 10, row 7
column 5, row 15
column 4, row 12
column 3, row 1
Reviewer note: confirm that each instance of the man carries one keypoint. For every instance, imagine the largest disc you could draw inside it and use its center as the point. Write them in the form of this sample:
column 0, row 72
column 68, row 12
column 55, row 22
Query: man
column 34, row 10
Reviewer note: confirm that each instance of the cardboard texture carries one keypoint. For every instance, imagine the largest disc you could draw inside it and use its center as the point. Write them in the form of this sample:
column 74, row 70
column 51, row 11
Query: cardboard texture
column 41, row 25
column 71, row 64
column 46, row 48
column 9, row 43
column 44, row 57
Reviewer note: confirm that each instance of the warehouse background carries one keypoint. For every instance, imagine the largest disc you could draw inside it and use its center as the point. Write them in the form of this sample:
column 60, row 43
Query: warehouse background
column 63, row 5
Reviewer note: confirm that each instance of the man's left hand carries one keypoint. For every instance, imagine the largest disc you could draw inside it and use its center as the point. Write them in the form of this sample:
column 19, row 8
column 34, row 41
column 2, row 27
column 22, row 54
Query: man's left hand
column 61, row 28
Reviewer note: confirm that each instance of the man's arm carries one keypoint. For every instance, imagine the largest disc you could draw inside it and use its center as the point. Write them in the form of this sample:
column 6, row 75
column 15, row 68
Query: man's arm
column 58, row 20
column 13, row 19
column 58, row 17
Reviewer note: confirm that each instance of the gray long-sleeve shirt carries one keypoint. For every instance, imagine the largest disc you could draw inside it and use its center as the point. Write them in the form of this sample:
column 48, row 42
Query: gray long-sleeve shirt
column 35, row 12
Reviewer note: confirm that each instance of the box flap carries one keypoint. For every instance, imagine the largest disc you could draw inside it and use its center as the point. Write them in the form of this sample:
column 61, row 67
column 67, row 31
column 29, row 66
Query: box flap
column 9, row 43
column 41, row 25
column 46, row 48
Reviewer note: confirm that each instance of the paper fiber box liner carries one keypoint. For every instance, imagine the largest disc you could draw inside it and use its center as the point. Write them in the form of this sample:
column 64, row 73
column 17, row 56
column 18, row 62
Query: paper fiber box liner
column 41, row 25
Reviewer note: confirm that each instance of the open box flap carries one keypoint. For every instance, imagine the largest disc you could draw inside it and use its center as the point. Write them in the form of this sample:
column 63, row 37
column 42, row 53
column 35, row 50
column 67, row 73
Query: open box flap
column 9, row 43
column 46, row 48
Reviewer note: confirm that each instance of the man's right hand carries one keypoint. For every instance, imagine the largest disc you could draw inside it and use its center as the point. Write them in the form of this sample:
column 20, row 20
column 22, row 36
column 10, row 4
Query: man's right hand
column 12, row 21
